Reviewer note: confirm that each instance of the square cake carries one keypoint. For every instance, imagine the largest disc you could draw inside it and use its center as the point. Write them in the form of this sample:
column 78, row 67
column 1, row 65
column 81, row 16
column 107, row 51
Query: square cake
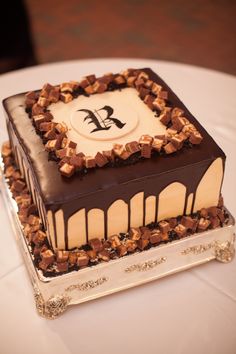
column 108, row 166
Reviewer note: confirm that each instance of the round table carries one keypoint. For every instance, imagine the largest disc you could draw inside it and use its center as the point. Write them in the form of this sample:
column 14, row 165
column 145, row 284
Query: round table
column 189, row 312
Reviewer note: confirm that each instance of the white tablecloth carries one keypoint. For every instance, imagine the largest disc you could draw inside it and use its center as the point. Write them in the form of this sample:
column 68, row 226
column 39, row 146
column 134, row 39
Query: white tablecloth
column 190, row 312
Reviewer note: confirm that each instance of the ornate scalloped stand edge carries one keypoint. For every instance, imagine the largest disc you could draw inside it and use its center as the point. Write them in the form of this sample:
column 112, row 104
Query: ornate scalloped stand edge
column 57, row 304
column 54, row 295
column 223, row 252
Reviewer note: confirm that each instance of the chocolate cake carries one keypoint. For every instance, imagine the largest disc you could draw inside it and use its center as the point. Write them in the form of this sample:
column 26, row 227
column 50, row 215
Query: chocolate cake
column 112, row 164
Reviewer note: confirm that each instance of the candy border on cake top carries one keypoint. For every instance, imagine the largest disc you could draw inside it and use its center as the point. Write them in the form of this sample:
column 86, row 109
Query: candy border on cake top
column 180, row 131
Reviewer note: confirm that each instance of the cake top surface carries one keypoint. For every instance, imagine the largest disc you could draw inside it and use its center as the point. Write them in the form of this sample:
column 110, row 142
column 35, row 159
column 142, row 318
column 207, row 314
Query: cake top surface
column 112, row 136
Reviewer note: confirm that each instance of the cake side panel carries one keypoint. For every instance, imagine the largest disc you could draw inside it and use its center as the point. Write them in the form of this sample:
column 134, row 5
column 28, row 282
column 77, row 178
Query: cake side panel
column 28, row 175
column 137, row 204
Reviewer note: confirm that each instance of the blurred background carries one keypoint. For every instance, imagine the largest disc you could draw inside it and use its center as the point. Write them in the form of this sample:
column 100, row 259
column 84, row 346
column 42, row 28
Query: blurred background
column 200, row 32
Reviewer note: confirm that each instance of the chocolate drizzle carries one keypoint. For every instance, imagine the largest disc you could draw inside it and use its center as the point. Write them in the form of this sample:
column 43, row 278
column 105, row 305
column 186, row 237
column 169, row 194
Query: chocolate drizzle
column 86, row 224
column 144, row 210
column 156, row 209
column 105, row 223
column 129, row 212
column 55, row 229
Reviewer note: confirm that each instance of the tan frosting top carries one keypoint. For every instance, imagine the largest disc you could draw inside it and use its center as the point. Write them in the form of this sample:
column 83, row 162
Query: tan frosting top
column 97, row 122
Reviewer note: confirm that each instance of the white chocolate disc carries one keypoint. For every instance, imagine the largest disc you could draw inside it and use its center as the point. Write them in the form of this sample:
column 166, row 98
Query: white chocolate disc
column 104, row 119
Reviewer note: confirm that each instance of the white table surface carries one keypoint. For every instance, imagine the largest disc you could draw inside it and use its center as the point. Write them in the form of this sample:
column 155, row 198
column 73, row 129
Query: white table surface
column 190, row 312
